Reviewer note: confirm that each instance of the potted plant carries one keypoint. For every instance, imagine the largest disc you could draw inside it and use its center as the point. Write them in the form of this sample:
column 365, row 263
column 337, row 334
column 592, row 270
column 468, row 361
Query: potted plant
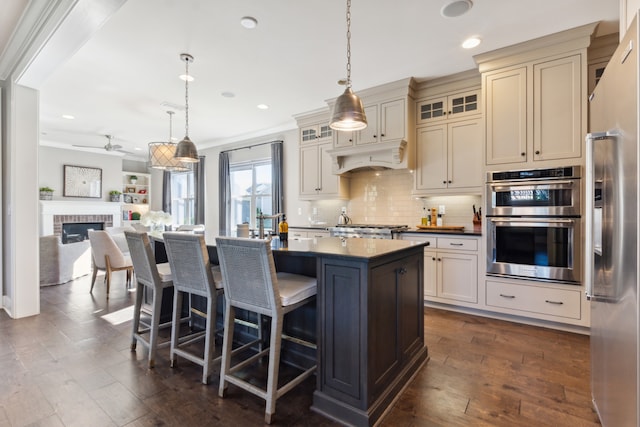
column 115, row 195
column 46, row 193
column 133, row 179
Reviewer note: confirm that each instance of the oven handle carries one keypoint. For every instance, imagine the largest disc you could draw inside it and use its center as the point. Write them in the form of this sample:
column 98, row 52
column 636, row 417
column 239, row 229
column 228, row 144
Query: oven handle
column 532, row 220
column 503, row 186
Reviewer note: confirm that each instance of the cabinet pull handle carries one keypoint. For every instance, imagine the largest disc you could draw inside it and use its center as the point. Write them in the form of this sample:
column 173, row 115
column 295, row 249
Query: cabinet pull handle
column 444, row 182
column 523, row 154
column 433, row 258
column 439, row 259
column 382, row 134
column 402, row 270
column 350, row 140
column 537, row 151
column 456, row 244
column 553, row 302
column 449, row 182
column 507, row 296
column 375, row 136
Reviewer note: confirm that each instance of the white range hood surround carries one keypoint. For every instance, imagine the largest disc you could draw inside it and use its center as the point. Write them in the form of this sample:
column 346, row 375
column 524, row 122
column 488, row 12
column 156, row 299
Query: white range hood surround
column 383, row 155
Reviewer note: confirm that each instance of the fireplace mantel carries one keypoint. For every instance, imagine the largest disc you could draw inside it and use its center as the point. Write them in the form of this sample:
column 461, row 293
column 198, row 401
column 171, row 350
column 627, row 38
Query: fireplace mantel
column 50, row 208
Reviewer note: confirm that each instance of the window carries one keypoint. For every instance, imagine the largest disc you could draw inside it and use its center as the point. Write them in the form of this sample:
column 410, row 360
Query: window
column 250, row 191
column 182, row 198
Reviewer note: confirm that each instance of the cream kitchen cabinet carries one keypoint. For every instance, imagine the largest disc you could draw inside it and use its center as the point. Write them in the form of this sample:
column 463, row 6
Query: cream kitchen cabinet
column 316, row 133
column 448, row 157
column 534, row 112
column 386, row 121
column 301, row 233
column 448, row 107
column 317, row 180
column 450, row 268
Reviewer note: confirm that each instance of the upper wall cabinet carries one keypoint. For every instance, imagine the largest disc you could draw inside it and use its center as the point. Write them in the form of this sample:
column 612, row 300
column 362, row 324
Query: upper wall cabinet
column 448, row 107
column 316, row 179
column 387, row 141
column 535, row 96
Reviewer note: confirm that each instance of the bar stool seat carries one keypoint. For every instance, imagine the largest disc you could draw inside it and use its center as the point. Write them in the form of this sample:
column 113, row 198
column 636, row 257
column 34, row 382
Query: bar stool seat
column 251, row 283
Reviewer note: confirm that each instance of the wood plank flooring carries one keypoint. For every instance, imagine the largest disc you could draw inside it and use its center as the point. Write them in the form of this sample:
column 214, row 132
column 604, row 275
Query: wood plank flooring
column 71, row 366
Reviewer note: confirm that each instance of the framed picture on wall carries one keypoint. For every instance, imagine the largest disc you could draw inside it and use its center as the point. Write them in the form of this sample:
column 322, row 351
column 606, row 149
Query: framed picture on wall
column 82, row 181
column 131, row 189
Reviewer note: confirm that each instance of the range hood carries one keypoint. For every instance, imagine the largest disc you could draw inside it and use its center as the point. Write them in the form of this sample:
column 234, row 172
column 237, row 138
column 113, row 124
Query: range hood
column 381, row 155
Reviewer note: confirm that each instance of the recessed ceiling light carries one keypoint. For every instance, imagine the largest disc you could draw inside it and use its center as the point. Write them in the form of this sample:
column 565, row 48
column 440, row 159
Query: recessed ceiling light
column 263, row 106
column 456, row 8
column 249, row 22
column 68, row 116
column 228, row 94
column 471, row 42
column 184, row 77
column 138, row 149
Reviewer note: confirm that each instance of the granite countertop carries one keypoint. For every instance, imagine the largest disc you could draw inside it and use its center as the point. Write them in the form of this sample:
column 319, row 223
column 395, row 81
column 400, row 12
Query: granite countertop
column 336, row 246
column 311, row 227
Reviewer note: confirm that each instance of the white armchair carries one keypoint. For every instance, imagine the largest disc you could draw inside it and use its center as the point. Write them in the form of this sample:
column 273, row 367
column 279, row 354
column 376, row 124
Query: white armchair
column 61, row 263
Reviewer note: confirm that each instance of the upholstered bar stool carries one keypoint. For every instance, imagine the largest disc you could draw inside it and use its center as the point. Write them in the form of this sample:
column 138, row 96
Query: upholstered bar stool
column 192, row 274
column 251, row 283
column 156, row 277
column 107, row 256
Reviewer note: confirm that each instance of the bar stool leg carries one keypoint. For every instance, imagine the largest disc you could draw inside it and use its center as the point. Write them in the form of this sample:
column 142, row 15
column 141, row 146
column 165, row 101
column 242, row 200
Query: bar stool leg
column 209, row 338
column 175, row 326
column 274, row 367
column 136, row 316
column 155, row 325
column 227, row 344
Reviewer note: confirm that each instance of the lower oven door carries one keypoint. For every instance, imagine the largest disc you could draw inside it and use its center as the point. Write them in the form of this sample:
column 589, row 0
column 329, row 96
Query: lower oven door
column 535, row 248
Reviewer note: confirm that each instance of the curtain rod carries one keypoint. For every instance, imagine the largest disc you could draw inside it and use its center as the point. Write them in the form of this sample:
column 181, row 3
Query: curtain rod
column 249, row 147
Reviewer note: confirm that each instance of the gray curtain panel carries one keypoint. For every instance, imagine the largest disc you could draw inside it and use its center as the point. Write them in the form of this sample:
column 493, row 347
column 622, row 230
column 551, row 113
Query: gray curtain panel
column 199, row 184
column 224, row 193
column 276, row 178
column 166, row 191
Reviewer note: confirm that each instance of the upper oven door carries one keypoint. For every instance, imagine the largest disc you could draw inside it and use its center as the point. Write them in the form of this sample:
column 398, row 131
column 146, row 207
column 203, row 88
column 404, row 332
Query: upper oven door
column 534, row 198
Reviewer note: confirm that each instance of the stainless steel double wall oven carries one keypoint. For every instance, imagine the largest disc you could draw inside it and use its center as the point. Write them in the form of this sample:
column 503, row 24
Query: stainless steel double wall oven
column 534, row 228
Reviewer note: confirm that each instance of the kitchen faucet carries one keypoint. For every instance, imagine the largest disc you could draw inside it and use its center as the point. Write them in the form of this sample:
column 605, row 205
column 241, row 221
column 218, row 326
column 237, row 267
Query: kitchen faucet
column 261, row 217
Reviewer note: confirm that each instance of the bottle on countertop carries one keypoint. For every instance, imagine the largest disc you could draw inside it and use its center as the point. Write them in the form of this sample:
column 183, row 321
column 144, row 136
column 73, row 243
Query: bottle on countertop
column 434, row 217
column 439, row 220
column 425, row 219
column 283, row 229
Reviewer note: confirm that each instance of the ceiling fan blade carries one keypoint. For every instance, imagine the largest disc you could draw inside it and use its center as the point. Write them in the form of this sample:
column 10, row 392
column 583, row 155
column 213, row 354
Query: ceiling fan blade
column 88, row 146
column 126, row 152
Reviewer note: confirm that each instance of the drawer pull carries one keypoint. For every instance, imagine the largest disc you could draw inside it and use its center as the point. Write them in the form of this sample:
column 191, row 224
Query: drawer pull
column 507, row 296
column 554, row 302
column 456, row 244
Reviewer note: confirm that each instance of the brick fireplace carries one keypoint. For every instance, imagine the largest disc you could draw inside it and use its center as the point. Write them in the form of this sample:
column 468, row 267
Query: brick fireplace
column 54, row 213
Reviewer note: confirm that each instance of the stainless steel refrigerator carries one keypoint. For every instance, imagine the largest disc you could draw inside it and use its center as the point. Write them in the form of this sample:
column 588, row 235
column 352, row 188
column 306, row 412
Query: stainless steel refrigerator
column 612, row 236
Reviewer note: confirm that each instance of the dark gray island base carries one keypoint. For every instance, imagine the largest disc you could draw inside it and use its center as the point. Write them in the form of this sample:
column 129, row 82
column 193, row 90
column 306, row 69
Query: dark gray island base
column 370, row 309
column 367, row 321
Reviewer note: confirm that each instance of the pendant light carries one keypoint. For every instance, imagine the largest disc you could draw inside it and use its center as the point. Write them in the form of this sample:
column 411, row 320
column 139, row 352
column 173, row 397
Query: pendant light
column 186, row 150
column 348, row 112
column 161, row 153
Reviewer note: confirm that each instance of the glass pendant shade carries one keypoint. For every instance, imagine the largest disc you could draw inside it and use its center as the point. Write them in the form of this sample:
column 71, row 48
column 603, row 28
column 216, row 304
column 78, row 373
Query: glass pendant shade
column 161, row 156
column 186, row 151
column 348, row 112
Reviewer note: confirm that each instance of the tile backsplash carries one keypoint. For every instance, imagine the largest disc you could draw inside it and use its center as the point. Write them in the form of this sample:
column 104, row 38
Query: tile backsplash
column 384, row 197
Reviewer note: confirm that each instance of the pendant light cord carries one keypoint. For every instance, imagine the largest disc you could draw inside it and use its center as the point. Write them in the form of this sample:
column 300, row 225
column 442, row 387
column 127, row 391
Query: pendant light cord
column 186, row 98
column 170, row 113
column 348, row 43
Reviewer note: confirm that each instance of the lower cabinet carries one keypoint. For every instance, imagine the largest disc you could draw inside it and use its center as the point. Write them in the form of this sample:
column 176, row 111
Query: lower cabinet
column 297, row 233
column 450, row 268
column 536, row 300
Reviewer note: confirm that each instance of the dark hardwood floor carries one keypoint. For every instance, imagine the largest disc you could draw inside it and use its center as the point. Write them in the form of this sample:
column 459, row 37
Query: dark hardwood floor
column 71, row 366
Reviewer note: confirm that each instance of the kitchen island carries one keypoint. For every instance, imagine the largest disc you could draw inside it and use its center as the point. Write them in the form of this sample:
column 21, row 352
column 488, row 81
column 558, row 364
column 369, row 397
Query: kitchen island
column 369, row 325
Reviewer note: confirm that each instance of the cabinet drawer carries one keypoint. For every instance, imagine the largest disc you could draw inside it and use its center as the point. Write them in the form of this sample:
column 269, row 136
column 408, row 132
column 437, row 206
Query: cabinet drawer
column 461, row 244
column 535, row 299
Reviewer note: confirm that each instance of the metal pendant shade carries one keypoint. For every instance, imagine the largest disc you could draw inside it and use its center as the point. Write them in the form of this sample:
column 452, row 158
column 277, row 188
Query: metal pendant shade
column 186, row 150
column 348, row 112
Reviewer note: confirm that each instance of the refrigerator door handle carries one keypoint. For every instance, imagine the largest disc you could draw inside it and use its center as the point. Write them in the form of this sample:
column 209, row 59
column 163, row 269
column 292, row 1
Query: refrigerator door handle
column 590, row 207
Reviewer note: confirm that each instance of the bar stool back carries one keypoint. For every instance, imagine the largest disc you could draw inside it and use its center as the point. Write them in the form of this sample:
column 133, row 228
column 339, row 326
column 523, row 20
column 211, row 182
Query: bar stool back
column 192, row 274
column 155, row 277
column 251, row 283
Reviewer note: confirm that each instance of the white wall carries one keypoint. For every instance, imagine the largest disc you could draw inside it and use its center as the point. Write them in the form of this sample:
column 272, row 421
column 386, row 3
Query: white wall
column 51, row 169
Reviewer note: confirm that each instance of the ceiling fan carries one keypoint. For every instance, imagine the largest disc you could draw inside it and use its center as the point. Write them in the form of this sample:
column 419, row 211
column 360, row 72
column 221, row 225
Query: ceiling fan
column 108, row 146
